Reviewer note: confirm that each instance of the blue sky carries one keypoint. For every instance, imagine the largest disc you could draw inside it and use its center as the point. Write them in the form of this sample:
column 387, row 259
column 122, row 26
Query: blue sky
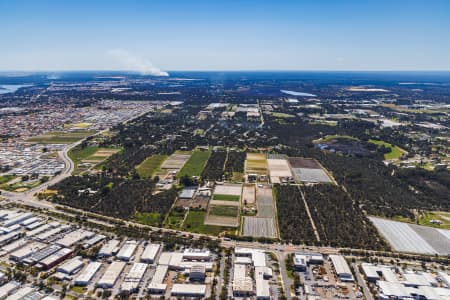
column 225, row 35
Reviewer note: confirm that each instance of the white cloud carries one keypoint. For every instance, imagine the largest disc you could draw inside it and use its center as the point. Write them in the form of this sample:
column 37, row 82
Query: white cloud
column 136, row 63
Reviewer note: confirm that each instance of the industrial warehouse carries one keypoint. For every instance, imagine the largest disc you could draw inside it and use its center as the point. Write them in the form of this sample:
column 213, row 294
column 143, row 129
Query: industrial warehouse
column 123, row 267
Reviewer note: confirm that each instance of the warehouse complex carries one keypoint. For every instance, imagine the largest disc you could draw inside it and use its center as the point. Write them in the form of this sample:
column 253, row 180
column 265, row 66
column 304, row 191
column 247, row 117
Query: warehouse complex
column 94, row 263
column 392, row 282
column 251, row 261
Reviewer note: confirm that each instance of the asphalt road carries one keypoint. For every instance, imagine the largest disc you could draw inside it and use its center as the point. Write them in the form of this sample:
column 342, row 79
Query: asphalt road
column 362, row 283
column 284, row 276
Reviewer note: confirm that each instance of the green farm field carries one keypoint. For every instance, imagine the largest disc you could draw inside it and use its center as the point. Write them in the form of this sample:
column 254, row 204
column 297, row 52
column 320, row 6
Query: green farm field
column 59, row 137
column 150, row 166
column 195, row 165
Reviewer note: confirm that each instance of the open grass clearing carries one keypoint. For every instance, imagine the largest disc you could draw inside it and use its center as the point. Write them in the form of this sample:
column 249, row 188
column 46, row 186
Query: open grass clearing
column 20, row 186
column 152, row 219
column 85, row 157
column 237, row 177
column 78, row 289
column 150, row 165
column 82, row 125
column 226, row 197
column 60, row 137
column 328, row 138
column 396, row 152
column 195, row 165
column 281, row 115
column 224, row 210
column 431, row 218
column 175, row 218
column 6, row 178
column 195, row 223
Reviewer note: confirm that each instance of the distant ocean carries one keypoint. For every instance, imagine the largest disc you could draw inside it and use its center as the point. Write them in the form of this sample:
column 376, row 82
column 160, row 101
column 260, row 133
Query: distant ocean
column 11, row 88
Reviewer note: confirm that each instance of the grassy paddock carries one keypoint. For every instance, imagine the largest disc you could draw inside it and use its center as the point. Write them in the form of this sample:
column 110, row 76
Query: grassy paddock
column 150, row 165
column 281, row 115
column 6, row 178
column 396, row 152
column 334, row 137
column 93, row 155
column 152, row 219
column 195, row 165
column 224, row 210
column 444, row 217
column 175, row 219
column 20, row 186
column 59, row 137
column 194, row 223
column 226, row 197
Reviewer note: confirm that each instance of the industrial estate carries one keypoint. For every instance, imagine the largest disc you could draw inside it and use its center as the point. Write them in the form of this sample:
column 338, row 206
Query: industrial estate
column 123, row 186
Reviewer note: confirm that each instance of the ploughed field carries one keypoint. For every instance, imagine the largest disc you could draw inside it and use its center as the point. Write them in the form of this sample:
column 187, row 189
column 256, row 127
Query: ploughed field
column 264, row 223
column 307, row 170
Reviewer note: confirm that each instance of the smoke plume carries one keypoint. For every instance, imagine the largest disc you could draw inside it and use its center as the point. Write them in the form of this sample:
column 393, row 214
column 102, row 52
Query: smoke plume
column 135, row 63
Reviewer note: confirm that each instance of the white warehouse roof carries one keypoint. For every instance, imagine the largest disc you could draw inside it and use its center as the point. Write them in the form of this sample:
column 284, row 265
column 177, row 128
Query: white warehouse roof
column 160, row 274
column 74, row 237
column 108, row 248
column 8, row 288
column 71, row 266
column 111, row 274
column 134, row 276
column 341, row 266
column 370, row 270
column 21, row 293
column 26, row 251
column 188, row 289
column 127, row 250
column 88, row 273
column 196, row 254
column 150, row 252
